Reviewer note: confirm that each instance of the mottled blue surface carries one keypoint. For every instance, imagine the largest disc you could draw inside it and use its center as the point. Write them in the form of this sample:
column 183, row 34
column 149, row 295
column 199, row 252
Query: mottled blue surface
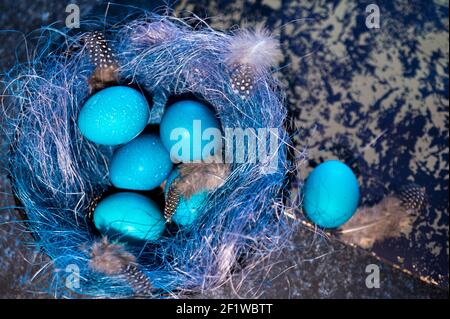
column 375, row 98
column 141, row 164
column 114, row 115
column 129, row 217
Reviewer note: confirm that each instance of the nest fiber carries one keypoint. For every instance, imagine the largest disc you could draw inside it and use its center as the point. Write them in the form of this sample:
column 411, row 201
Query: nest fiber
column 56, row 173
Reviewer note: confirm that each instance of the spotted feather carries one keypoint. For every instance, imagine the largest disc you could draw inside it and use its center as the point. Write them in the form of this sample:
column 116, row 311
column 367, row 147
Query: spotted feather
column 101, row 54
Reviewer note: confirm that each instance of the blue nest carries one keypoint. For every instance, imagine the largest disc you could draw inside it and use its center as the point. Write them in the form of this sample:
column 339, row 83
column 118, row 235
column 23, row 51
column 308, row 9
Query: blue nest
column 56, row 173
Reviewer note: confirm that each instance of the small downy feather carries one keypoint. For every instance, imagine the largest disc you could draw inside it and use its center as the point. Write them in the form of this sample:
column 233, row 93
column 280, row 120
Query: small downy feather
column 109, row 258
column 387, row 219
column 152, row 33
column 192, row 179
column 105, row 73
column 201, row 176
column 254, row 47
column 113, row 260
column 251, row 52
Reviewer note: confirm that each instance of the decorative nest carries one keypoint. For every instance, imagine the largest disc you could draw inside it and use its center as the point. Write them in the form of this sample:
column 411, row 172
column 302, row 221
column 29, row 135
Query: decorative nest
column 56, row 173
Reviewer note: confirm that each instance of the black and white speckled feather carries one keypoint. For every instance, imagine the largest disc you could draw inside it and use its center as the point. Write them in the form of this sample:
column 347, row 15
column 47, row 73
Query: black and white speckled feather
column 242, row 79
column 413, row 197
column 102, row 56
column 99, row 50
column 138, row 281
column 92, row 206
column 172, row 200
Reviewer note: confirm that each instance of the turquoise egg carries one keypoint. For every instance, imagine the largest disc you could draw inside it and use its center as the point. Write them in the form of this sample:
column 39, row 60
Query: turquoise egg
column 113, row 116
column 331, row 194
column 142, row 164
column 188, row 210
column 129, row 216
column 187, row 121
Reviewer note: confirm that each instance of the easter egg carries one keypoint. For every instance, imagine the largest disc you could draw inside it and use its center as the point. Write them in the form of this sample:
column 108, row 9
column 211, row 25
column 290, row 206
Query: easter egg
column 129, row 216
column 190, row 131
column 331, row 194
column 141, row 164
column 113, row 116
column 187, row 210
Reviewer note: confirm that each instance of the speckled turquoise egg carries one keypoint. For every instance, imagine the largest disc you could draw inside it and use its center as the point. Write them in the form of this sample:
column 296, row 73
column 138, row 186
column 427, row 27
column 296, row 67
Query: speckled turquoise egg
column 129, row 216
column 331, row 194
column 113, row 116
column 142, row 164
column 188, row 210
column 182, row 127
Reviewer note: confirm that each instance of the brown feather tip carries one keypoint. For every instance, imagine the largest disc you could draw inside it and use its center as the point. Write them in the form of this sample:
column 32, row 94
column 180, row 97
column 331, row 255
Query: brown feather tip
column 102, row 78
column 413, row 197
column 195, row 177
column 105, row 73
column 109, row 258
column 387, row 219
